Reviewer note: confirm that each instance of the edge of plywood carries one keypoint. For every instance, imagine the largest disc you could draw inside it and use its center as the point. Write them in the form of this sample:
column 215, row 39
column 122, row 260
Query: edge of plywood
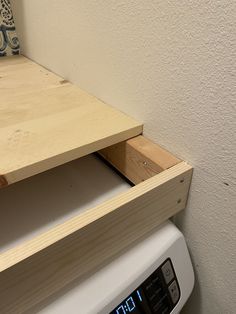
column 62, row 158
column 3, row 181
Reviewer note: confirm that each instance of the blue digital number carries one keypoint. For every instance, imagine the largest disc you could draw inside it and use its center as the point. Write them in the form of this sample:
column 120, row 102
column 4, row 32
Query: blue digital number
column 130, row 304
column 120, row 310
column 139, row 295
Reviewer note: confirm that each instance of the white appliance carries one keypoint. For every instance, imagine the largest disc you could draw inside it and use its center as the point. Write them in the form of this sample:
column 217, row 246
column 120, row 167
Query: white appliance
column 153, row 276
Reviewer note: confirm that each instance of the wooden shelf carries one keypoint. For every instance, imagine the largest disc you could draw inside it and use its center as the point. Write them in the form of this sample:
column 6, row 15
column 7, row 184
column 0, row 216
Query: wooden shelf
column 45, row 121
column 47, row 262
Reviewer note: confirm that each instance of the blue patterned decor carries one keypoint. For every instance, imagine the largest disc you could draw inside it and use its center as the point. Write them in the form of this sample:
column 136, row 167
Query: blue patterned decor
column 9, row 44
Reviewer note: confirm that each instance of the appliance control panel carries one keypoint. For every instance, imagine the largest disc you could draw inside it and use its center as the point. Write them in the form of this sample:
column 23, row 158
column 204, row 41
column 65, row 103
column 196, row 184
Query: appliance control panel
column 158, row 294
column 154, row 276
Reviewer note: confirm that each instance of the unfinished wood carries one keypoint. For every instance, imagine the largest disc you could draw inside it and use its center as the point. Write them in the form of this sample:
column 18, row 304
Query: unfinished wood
column 156, row 189
column 87, row 241
column 45, row 121
column 19, row 75
column 138, row 158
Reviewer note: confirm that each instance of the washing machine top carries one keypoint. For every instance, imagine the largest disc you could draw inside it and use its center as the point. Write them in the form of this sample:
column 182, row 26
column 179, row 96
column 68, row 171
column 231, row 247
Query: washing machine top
column 155, row 275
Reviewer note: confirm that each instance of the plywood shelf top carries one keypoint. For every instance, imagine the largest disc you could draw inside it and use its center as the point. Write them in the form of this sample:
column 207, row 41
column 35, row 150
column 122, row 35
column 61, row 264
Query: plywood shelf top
column 46, row 121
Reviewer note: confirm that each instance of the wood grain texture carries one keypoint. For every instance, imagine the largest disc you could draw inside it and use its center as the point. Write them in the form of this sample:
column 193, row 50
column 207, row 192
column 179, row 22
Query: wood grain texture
column 46, row 121
column 152, row 190
column 138, row 158
column 75, row 250
column 19, row 75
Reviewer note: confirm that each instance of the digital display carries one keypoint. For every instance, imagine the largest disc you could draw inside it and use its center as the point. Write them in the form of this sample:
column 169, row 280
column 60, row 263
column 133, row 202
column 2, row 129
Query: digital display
column 133, row 304
column 158, row 294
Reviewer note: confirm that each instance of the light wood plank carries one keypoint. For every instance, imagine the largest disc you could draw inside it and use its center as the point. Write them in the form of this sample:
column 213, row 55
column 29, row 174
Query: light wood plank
column 156, row 189
column 20, row 108
column 138, row 158
column 44, row 123
column 84, row 243
column 19, row 75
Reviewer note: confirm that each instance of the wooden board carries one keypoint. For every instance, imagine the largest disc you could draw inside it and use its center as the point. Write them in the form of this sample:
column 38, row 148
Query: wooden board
column 19, row 75
column 86, row 242
column 154, row 190
column 138, row 158
column 46, row 121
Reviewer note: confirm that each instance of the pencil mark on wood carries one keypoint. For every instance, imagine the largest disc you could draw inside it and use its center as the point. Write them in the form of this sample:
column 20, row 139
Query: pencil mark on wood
column 64, row 82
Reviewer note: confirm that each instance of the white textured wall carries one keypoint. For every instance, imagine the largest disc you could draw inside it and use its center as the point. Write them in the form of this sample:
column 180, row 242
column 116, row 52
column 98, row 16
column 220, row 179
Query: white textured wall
column 171, row 64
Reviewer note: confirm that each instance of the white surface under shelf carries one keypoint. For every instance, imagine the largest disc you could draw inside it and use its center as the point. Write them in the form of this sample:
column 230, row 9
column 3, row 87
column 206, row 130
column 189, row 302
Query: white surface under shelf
column 33, row 206
column 100, row 292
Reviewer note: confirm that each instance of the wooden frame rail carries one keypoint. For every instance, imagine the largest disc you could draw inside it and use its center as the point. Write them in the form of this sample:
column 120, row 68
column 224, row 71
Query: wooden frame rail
column 138, row 158
column 49, row 262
